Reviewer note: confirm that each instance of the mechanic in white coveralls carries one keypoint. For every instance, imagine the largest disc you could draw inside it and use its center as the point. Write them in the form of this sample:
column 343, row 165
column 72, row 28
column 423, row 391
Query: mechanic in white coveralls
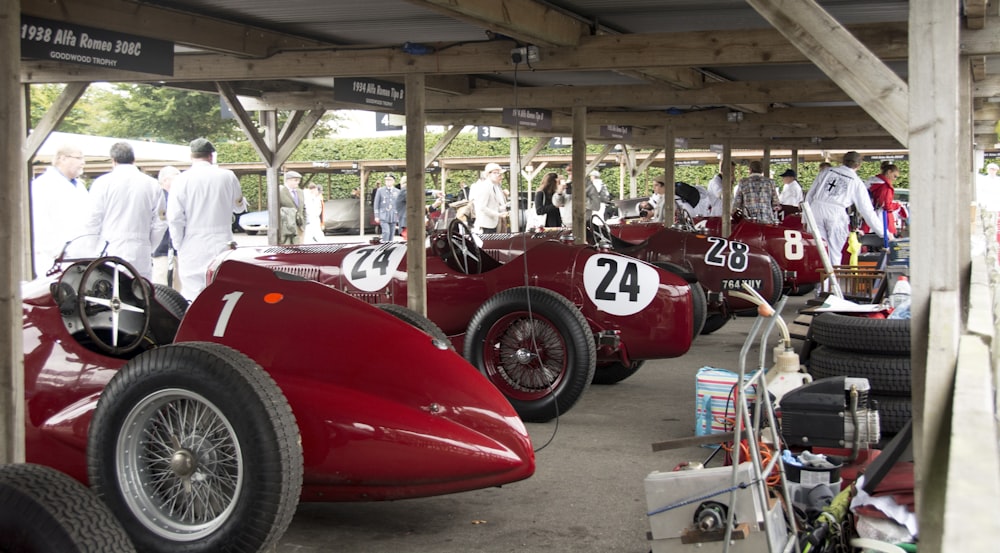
column 199, row 214
column 833, row 191
column 127, row 210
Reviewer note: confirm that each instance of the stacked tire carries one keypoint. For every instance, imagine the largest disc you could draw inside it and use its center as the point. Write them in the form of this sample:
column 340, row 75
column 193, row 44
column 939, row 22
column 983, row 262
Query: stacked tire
column 876, row 349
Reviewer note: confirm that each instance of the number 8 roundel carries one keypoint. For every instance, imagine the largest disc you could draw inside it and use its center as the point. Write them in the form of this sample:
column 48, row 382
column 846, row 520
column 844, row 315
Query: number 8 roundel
column 619, row 285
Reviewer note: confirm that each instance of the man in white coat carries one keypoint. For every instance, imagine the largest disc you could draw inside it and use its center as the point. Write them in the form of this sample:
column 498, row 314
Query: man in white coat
column 833, row 191
column 126, row 211
column 489, row 200
column 59, row 207
column 199, row 214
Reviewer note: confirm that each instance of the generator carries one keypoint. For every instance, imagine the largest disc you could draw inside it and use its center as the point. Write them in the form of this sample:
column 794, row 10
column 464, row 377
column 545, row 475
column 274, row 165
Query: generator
column 832, row 412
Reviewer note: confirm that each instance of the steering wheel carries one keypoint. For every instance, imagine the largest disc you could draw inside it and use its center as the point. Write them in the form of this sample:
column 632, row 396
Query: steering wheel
column 682, row 219
column 463, row 248
column 599, row 229
column 101, row 292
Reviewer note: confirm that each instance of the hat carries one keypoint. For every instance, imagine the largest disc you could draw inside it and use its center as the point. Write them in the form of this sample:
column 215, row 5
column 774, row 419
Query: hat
column 852, row 157
column 659, row 179
column 993, row 166
column 201, row 146
column 490, row 167
column 595, row 173
column 389, row 177
column 788, row 173
column 292, row 175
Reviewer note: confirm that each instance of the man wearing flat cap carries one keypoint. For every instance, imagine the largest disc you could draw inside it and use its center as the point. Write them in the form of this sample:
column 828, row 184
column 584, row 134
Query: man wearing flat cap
column 834, row 190
column 385, row 208
column 292, row 204
column 791, row 193
column 200, row 211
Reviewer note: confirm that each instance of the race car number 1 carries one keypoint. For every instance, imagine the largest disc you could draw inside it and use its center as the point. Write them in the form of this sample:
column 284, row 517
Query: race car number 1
column 619, row 285
column 371, row 268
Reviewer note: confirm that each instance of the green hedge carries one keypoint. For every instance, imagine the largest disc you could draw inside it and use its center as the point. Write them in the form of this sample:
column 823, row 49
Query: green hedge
column 466, row 145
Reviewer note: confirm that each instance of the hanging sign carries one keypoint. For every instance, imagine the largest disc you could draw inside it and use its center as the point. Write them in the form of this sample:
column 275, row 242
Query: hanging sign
column 526, row 117
column 388, row 122
column 560, row 142
column 616, row 131
column 485, row 134
column 370, row 92
column 45, row 39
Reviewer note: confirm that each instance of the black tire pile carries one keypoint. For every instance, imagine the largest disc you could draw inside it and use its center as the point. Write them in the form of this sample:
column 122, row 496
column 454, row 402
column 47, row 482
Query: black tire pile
column 876, row 349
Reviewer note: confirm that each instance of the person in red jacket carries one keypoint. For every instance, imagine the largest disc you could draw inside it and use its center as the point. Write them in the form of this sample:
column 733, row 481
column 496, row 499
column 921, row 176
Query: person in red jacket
column 883, row 197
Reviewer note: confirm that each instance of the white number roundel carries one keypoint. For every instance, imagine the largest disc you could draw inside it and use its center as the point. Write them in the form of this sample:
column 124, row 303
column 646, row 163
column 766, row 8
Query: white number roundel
column 370, row 268
column 619, row 285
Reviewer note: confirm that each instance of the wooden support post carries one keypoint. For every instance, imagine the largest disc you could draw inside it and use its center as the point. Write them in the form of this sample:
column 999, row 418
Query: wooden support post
column 515, row 185
column 12, row 193
column 669, row 205
column 579, row 197
column 416, row 261
column 727, row 188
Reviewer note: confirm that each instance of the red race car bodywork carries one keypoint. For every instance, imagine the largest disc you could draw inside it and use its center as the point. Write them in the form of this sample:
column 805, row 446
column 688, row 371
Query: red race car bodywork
column 788, row 243
column 597, row 308
column 355, row 404
column 718, row 264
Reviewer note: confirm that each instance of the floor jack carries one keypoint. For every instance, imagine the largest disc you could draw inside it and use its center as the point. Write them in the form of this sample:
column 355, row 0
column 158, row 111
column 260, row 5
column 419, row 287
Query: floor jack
column 711, row 516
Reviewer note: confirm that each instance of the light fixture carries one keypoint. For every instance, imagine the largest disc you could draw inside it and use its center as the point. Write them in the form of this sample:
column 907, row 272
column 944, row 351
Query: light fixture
column 734, row 116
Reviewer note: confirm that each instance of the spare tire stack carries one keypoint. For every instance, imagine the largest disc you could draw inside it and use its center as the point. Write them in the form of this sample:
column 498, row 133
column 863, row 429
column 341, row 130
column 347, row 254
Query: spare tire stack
column 876, row 349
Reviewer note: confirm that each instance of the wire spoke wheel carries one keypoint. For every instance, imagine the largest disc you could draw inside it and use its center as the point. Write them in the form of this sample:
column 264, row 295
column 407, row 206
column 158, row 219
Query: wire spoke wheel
column 180, row 458
column 527, row 356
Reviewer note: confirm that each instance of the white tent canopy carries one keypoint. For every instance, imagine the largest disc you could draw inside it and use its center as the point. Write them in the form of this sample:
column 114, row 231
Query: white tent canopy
column 98, row 148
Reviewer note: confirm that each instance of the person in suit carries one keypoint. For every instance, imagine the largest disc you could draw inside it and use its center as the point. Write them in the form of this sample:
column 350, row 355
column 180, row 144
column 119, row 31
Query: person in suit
column 292, row 202
column 385, row 208
column 488, row 200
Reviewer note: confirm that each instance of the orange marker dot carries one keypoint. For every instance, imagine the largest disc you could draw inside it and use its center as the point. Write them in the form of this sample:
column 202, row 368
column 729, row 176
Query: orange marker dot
column 273, row 297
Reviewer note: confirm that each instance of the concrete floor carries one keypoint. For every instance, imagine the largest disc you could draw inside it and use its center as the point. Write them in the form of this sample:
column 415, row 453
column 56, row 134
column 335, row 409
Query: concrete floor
column 587, row 493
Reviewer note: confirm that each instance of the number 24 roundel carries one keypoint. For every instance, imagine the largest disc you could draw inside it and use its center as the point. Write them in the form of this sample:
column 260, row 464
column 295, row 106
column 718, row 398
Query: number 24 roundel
column 619, row 285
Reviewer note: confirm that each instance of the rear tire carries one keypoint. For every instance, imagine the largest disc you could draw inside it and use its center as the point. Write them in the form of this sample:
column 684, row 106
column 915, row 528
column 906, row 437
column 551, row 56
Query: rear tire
column 615, row 372
column 714, row 322
column 42, row 510
column 536, row 347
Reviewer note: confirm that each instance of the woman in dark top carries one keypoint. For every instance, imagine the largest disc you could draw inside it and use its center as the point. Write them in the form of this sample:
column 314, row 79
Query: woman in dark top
column 549, row 198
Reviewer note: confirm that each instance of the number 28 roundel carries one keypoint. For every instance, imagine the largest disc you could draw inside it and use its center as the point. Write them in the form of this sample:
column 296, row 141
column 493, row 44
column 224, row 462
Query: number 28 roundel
column 619, row 285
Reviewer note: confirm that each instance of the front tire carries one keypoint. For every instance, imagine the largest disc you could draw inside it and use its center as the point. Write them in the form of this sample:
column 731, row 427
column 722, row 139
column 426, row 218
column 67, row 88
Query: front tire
column 195, row 449
column 536, row 347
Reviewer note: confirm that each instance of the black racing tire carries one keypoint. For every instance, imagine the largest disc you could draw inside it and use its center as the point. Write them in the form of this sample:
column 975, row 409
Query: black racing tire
column 893, row 413
column 195, row 449
column 777, row 281
column 170, row 299
column 417, row 320
column 699, row 298
column 714, row 322
column 861, row 334
column 887, row 374
column 615, row 372
column 514, row 330
column 43, row 510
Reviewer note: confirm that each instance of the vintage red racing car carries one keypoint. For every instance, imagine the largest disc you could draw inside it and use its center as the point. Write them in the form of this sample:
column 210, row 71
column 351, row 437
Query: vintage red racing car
column 539, row 325
column 202, row 427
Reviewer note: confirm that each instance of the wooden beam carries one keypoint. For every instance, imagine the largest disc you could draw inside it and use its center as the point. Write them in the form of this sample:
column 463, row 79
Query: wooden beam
column 746, row 92
column 977, row 65
column 443, row 143
column 640, row 51
column 975, row 13
column 50, row 121
column 525, row 20
column 291, row 137
column 145, row 19
column 988, row 87
column 579, row 196
column 843, row 58
column 246, row 123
